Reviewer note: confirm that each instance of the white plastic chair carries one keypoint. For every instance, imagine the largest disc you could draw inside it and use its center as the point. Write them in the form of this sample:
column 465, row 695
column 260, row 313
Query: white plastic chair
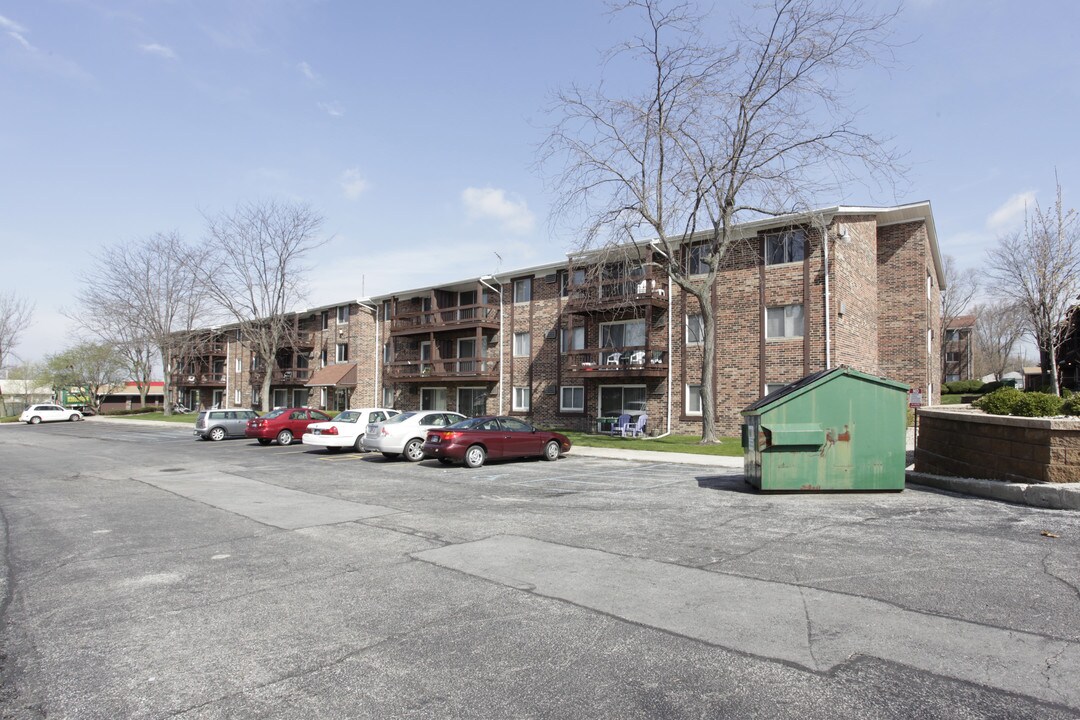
column 614, row 358
column 619, row 428
column 637, row 358
column 637, row 429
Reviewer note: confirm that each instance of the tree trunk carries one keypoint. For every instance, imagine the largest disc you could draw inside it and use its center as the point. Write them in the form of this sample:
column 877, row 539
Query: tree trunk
column 265, row 392
column 709, row 434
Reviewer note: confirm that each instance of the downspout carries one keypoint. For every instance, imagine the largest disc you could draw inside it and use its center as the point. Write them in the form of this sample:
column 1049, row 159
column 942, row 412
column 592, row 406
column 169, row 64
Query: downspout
column 502, row 338
column 828, row 313
column 670, row 400
column 376, row 401
column 226, row 401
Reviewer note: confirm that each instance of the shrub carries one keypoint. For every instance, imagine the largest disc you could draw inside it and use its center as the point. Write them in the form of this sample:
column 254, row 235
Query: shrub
column 961, row 387
column 1071, row 406
column 135, row 410
column 1000, row 401
column 1037, row 404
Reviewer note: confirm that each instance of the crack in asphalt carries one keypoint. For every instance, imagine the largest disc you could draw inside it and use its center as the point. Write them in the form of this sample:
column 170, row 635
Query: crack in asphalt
column 1046, row 569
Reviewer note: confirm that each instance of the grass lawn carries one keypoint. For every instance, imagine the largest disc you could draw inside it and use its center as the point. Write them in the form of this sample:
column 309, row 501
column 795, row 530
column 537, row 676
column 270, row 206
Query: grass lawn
column 952, row 399
column 188, row 418
column 729, row 446
column 9, row 418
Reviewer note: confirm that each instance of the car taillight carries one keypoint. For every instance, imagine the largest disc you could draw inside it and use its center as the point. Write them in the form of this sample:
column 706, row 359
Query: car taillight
column 447, row 436
column 330, row 431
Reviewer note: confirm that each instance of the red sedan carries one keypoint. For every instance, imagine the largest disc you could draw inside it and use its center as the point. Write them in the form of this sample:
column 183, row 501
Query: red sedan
column 283, row 424
column 475, row 440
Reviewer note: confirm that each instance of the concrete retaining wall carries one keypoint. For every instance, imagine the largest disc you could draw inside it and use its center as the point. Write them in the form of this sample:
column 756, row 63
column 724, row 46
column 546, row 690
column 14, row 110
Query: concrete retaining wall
column 964, row 442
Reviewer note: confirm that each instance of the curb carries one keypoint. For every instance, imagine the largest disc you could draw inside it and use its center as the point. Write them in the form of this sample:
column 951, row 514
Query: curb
column 1052, row 496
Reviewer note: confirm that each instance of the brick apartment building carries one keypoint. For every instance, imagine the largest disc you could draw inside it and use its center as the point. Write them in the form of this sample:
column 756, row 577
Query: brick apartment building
column 959, row 349
column 567, row 343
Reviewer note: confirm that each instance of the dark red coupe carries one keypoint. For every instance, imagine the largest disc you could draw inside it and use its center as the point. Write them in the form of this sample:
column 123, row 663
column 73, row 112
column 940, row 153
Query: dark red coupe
column 475, row 440
column 283, row 424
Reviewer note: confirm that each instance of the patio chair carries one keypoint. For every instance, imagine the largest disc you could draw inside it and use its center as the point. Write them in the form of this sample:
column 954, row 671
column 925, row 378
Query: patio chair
column 637, row 429
column 614, row 358
column 637, row 357
column 619, row 428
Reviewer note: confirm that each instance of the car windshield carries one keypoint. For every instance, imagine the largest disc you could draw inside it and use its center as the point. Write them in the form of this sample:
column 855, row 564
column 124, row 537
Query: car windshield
column 347, row 416
column 277, row 412
column 399, row 418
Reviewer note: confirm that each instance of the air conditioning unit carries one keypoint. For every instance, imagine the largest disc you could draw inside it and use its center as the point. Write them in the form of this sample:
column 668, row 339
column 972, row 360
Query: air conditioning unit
column 550, row 279
column 551, row 334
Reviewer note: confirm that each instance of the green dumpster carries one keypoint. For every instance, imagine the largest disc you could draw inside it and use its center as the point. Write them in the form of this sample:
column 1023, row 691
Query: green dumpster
column 837, row 429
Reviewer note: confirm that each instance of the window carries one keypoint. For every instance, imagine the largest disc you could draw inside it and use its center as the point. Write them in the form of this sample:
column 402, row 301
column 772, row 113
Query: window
column 953, row 357
column 388, row 397
column 522, row 399
column 522, row 344
column 573, row 279
column 622, row 334
column 572, row 398
column 784, row 322
column 784, row 247
column 386, row 310
column 693, row 399
column 696, row 263
column 571, row 339
column 239, row 367
column 342, row 314
column 387, row 353
column 523, row 290
column 952, row 335
column 342, row 352
column 770, row 388
column 471, row 401
column 952, row 377
column 322, row 358
column 325, row 319
column 617, row 399
column 695, row 330
column 237, row 399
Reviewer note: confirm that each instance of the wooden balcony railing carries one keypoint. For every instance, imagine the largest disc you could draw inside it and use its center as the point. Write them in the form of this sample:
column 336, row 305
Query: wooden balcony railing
column 598, row 363
column 610, row 294
column 450, row 318
column 198, row 379
column 283, row 376
column 455, row 368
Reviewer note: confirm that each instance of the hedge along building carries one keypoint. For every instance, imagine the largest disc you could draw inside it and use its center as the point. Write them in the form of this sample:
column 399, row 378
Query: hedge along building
column 565, row 343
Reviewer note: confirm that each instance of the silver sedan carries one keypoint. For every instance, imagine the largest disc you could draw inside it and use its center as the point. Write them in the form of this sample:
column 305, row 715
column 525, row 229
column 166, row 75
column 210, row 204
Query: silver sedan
column 404, row 434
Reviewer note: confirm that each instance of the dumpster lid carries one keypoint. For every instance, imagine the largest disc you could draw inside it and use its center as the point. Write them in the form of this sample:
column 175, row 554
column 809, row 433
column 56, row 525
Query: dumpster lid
column 814, row 378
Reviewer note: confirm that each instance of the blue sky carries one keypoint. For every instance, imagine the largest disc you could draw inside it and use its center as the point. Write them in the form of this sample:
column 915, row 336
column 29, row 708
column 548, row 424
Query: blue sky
column 413, row 127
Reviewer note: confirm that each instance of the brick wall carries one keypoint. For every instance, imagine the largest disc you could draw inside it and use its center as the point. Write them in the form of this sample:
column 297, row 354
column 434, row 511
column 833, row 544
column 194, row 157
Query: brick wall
column 965, row 443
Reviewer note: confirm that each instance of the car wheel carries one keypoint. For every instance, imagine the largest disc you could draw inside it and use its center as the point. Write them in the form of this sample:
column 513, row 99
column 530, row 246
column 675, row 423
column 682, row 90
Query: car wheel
column 358, row 446
column 446, row 461
column 35, row 420
column 475, row 456
column 75, row 418
column 390, row 456
column 414, row 450
column 284, row 438
column 263, row 441
column 551, row 450
column 217, row 434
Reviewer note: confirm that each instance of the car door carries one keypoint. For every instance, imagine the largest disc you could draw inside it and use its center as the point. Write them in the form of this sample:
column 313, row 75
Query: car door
column 235, row 422
column 491, row 433
column 519, row 438
column 297, row 423
column 54, row 412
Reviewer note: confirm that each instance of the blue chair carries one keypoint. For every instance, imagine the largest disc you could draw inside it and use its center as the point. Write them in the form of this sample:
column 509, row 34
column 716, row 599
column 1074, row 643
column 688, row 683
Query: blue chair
column 637, row 429
column 619, row 428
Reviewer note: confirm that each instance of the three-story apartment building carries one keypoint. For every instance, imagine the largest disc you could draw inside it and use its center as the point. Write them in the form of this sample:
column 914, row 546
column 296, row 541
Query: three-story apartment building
column 569, row 343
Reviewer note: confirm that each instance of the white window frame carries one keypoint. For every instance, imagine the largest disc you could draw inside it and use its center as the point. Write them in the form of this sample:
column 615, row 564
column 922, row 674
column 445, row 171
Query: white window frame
column 575, row 390
column 698, row 320
column 789, row 329
column 637, row 321
column 342, row 314
column 387, row 397
column 239, row 367
column 688, row 406
column 238, row 397
column 522, row 286
column 341, row 352
column 770, row 388
column 526, row 341
column 570, row 345
column 600, row 389
column 521, row 399
column 387, row 353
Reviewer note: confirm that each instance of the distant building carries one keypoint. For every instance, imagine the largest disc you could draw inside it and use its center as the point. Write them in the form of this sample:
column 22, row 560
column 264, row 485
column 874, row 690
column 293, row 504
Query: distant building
column 958, row 361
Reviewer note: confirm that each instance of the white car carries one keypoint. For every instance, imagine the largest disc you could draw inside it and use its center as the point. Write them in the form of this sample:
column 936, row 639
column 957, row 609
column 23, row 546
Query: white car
column 49, row 413
column 404, row 434
column 346, row 429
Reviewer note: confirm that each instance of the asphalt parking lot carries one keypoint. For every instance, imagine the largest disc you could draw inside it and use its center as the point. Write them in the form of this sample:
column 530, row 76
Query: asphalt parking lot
column 151, row 575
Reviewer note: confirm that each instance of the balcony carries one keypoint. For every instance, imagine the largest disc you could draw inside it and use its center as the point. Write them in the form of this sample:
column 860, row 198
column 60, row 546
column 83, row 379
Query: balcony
column 605, row 295
column 283, row 376
column 479, row 369
column 604, row 363
column 198, row 379
column 455, row 318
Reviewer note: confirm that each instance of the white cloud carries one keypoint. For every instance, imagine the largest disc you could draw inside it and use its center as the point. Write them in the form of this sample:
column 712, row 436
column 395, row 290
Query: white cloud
column 513, row 214
column 1010, row 214
column 352, row 184
column 16, row 31
column 308, row 72
column 159, row 50
column 333, row 109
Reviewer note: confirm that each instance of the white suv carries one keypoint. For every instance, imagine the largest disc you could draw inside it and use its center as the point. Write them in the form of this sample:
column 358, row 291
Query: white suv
column 49, row 413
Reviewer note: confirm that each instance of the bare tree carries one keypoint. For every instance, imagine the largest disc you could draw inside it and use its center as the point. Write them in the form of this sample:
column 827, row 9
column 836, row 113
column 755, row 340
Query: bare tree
column 15, row 316
column 958, row 291
column 1038, row 268
column 144, row 299
column 716, row 135
column 256, row 273
column 999, row 326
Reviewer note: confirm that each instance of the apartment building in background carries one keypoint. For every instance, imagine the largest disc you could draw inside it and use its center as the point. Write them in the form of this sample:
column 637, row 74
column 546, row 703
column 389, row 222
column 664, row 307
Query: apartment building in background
column 958, row 346
column 569, row 343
